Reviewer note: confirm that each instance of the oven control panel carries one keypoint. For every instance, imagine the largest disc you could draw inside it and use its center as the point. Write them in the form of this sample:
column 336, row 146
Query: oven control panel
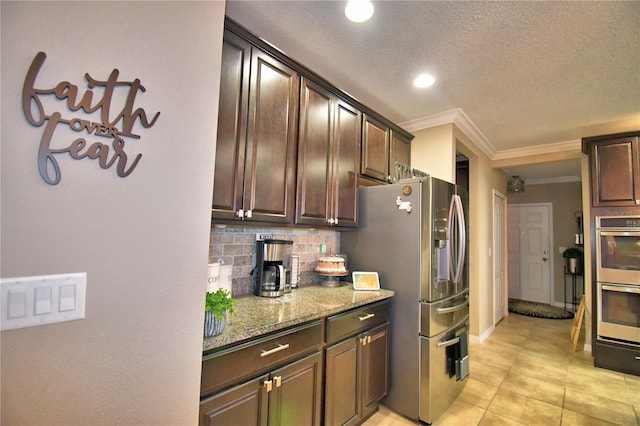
column 618, row 222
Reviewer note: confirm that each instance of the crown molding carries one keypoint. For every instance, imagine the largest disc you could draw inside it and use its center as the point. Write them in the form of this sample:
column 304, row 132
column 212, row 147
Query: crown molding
column 460, row 119
column 566, row 146
column 559, row 179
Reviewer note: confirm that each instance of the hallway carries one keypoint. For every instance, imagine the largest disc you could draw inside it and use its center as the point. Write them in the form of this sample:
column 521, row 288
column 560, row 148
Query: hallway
column 526, row 374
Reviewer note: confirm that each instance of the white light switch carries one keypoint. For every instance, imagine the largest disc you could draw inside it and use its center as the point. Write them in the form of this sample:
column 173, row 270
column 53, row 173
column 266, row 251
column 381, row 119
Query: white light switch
column 67, row 297
column 17, row 303
column 43, row 299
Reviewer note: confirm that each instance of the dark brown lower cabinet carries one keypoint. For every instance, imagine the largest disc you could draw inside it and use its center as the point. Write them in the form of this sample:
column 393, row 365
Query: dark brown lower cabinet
column 245, row 404
column 357, row 376
column 291, row 395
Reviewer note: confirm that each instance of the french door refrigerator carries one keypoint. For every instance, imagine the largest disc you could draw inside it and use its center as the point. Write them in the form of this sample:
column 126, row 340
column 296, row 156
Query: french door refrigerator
column 414, row 234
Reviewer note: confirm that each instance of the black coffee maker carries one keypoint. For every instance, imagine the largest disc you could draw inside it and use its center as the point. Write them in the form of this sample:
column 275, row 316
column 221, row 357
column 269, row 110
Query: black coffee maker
column 269, row 275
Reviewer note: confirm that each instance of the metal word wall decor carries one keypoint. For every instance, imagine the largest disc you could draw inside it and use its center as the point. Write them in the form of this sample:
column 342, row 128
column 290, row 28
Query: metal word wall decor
column 107, row 155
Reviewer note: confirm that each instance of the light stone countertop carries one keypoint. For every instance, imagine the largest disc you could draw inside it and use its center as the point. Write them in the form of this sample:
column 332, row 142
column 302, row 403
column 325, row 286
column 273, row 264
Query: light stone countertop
column 257, row 316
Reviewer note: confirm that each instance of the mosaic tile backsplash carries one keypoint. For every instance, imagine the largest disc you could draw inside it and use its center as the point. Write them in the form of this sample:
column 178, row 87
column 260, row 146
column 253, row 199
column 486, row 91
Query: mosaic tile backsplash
column 237, row 246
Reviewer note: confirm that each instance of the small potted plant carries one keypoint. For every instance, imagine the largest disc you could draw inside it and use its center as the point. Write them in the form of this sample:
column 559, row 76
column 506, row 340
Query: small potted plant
column 573, row 260
column 217, row 305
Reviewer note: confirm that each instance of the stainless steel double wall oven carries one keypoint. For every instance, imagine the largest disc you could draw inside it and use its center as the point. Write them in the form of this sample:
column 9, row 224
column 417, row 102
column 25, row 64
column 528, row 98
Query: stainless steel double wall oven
column 618, row 279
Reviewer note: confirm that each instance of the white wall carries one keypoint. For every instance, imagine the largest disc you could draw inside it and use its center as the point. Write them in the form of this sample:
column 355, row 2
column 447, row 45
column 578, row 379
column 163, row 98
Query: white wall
column 142, row 239
column 433, row 152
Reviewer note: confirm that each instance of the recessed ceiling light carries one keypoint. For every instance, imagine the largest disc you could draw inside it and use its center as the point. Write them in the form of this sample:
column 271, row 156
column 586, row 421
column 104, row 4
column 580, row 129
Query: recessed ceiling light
column 424, row 80
column 359, row 10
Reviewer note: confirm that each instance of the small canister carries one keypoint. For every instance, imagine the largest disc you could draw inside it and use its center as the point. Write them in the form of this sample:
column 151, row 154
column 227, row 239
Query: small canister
column 226, row 277
column 213, row 277
column 295, row 264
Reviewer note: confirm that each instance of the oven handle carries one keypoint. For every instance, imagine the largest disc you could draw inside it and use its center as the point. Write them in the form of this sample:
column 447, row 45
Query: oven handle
column 619, row 233
column 621, row 289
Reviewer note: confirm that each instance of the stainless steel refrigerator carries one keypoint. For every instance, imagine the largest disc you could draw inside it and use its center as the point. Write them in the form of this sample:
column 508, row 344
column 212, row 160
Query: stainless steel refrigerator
column 414, row 234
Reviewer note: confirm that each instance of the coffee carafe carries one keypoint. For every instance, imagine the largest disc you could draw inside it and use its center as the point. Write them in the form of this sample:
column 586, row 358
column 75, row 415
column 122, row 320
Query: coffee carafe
column 270, row 274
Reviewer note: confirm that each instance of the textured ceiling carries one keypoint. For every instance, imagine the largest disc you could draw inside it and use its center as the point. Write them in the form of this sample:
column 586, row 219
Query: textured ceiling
column 524, row 73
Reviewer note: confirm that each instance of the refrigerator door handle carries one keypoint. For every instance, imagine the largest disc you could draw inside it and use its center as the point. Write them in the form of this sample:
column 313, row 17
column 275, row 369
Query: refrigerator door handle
column 462, row 238
column 452, row 267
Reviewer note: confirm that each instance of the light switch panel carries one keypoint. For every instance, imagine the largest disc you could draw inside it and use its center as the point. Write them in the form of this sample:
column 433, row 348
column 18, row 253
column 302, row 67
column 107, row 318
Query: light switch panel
column 42, row 299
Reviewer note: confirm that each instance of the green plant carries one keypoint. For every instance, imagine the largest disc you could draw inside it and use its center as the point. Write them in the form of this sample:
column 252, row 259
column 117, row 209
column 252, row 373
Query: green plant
column 220, row 302
column 572, row 252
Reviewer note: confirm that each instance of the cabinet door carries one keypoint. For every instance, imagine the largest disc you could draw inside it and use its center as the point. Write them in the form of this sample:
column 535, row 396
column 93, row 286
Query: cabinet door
column 346, row 148
column 314, row 155
column 296, row 396
column 341, row 383
column 245, row 404
column 400, row 152
column 375, row 149
column 375, row 369
column 270, row 156
column 232, row 127
column 615, row 172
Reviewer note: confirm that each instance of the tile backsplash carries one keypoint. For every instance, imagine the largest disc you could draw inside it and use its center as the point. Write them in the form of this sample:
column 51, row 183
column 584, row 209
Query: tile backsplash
column 237, row 246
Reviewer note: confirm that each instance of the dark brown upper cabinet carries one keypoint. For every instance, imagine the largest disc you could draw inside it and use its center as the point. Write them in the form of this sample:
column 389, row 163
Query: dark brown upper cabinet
column 328, row 147
column 615, row 169
column 255, row 161
column 400, row 151
column 382, row 146
column 375, row 149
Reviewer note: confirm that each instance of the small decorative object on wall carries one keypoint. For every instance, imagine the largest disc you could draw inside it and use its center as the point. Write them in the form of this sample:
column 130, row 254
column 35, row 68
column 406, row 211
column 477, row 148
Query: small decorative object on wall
column 107, row 155
column 365, row 280
column 516, row 184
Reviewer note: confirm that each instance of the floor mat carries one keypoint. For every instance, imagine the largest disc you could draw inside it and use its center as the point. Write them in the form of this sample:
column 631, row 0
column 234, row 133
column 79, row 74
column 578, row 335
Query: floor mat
column 540, row 310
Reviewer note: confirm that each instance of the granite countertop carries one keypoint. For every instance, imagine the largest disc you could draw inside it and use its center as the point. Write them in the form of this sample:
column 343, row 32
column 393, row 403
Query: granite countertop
column 257, row 316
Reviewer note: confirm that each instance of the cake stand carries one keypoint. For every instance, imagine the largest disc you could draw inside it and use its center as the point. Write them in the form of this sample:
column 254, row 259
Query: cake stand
column 331, row 279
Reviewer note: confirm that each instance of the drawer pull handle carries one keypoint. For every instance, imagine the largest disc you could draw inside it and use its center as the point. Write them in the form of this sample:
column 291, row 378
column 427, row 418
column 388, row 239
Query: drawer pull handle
column 365, row 317
column 274, row 350
column 452, row 308
column 638, row 358
column 445, row 343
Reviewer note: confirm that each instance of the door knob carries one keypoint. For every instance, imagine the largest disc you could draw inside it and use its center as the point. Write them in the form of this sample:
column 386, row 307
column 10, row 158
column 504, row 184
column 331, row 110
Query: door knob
column 544, row 259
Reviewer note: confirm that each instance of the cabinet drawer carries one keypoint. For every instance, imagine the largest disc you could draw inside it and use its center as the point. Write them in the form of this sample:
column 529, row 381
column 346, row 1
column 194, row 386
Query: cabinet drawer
column 356, row 320
column 227, row 367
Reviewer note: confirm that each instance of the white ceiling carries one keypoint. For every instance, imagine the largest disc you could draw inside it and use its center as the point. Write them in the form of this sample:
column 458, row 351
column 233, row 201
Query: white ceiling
column 524, row 73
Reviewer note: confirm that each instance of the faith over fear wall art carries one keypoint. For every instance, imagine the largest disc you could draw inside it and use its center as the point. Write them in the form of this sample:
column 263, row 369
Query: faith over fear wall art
column 114, row 125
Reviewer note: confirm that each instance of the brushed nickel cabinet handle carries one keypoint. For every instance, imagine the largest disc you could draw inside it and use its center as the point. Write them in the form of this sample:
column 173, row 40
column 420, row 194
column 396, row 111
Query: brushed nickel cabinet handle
column 274, row 350
column 365, row 317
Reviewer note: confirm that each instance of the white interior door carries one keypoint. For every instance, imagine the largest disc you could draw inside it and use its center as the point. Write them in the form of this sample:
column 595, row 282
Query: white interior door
column 499, row 290
column 529, row 244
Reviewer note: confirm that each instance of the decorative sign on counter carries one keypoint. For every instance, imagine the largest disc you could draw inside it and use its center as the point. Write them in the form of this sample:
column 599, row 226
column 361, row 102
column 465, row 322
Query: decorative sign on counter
column 107, row 155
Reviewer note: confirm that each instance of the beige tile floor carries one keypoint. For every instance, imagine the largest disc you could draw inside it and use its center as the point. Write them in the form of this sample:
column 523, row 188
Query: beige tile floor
column 525, row 373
